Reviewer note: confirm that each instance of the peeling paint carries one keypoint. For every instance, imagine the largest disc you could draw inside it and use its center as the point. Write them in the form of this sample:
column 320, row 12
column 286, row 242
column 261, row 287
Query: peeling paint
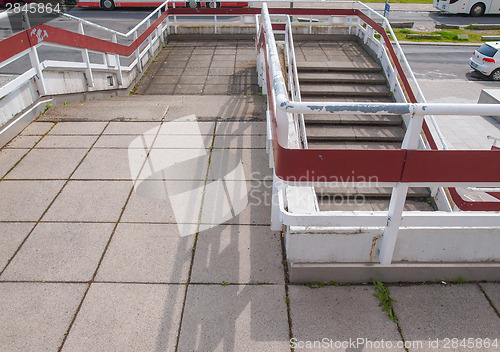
column 374, row 243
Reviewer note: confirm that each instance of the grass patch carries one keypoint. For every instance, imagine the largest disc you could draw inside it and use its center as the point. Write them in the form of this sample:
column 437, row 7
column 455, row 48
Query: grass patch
column 382, row 293
column 448, row 35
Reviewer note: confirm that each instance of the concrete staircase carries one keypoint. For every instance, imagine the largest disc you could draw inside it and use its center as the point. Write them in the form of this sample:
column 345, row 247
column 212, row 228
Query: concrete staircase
column 352, row 81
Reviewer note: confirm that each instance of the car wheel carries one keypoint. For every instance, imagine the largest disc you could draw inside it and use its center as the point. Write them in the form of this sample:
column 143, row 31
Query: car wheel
column 495, row 75
column 108, row 5
column 477, row 9
column 212, row 4
column 193, row 4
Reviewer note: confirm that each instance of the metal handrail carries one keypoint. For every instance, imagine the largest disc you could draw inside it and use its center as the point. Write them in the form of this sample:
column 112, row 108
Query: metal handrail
column 292, row 69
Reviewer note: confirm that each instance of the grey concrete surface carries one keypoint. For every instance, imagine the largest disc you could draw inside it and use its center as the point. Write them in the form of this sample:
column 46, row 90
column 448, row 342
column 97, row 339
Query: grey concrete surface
column 127, row 317
column 147, row 253
column 155, row 283
column 429, row 313
column 238, row 254
column 346, row 318
column 234, row 318
column 60, row 252
column 492, row 291
column 35, row 316
column 97, row 201
column 462, row 132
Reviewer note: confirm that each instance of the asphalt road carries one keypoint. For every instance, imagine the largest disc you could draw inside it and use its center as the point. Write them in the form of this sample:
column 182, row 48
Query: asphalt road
column 440, row 62
column 427, row 61
column 430, row 19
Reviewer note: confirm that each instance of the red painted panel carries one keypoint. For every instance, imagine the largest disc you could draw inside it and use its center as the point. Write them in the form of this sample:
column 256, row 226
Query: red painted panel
column 13, row 45
column 338, row 165
column 279, row 26
column 60, row 36
column 88, row 4
column 452, row 166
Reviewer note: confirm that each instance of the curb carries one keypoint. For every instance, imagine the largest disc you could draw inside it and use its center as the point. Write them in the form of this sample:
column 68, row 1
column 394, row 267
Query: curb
column 439, row 44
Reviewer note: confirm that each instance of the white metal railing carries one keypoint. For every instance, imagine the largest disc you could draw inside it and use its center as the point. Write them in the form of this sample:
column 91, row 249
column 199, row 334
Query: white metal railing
column 278, row 107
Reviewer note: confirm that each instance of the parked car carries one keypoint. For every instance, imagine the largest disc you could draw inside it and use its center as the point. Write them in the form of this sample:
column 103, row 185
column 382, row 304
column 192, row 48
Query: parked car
column 486, row 60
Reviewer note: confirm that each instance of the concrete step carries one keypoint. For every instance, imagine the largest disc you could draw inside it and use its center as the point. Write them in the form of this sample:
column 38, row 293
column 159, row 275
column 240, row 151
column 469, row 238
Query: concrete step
column 331, row 66
column 344, row 90
column 361, row 119
column 342, row 77
column 349, row 99
column 360, row 145
column 354, row 133
column 112, row 109
column 368, row 192
column 372, row 205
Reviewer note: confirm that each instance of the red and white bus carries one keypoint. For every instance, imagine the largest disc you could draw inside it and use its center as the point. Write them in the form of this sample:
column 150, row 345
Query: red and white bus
column 111, row 4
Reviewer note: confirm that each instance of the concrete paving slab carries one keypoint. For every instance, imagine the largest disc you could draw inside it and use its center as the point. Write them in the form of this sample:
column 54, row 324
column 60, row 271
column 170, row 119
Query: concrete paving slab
column 219, row 80
column 60, row 252
column 78, row 128
column 158, row 90
column 254, row 164
column 184, row 164
column 152, row 202
column 341, row 315
column 187, row 125
column 23, row 142
column 235, row 318
column 13, row 234
column 239, row 142
column 217, row 89
column 245, row 89
column 438, row 313
column 26, row 200
column 241, row 128
column 66, row 142
column 35, row 316
column 183, row 142
column 492, row 290
column 147, row 253
column 47, row 164
column 107, row 110
column 216, row 106
column 238, row 254
column 132, row 128
column 457, row 129
column 221, row 71
column 237, row 202
column 125, row 141
column 9, row 158
column 37, row 129
column 191, row 89
column 97, row 201
column 109, row 164
column 134, row 317
column 192, row 80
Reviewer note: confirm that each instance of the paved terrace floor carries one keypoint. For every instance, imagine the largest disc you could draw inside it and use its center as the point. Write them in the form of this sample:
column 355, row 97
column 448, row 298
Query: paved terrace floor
column 112, row 239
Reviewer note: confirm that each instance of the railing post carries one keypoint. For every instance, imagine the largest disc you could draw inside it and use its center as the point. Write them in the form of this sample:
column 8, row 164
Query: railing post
column 138, row 54
column 150, row 41
column 275, row 208
column 399, row 194
column 35, row 62
column 283, row 125
column 86, row 60
column 26, row 24
column 118, row 65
